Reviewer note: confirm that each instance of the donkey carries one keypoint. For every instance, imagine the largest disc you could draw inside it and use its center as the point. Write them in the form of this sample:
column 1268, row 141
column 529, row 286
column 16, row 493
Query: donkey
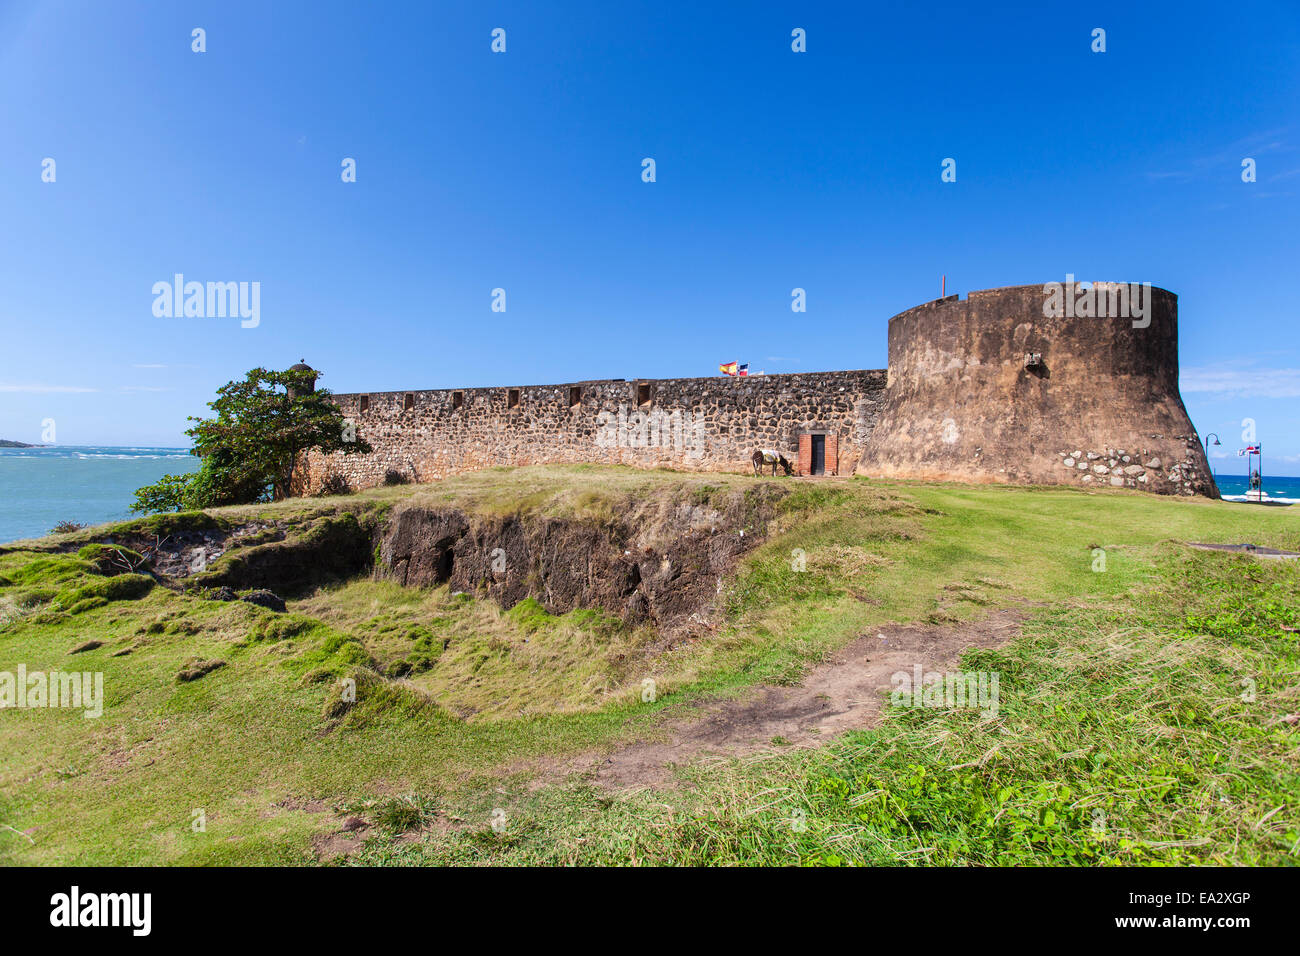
column 769, row 456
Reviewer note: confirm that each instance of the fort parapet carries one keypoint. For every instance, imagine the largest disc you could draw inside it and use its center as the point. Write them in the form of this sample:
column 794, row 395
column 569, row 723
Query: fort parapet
column 690, row 424
column 990, row 388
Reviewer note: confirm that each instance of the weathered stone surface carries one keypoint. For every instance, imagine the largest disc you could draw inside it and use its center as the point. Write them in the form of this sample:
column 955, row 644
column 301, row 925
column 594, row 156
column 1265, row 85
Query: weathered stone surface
column 1104, row 390
column 960, row 404
column 689, row 424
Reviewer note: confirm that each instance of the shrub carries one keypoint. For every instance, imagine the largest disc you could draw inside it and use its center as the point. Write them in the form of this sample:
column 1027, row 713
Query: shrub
column 66, row 527
column 335, row 485
column 168, row 493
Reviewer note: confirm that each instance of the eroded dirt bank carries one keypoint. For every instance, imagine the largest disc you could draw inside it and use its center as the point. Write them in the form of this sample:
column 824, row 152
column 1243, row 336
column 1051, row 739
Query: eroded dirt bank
column 661, row 562
column 656, row 560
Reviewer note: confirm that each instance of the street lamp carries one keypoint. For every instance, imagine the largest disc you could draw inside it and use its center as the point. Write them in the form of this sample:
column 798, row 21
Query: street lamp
column 1207, row 452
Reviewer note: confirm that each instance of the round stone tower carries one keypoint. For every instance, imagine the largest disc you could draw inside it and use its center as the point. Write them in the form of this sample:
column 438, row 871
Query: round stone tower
column 1058, row 384
column 310, row 386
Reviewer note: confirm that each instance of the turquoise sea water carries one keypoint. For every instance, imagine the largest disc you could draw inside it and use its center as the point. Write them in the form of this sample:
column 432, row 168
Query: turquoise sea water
column 39, row 487
column 1281, row 487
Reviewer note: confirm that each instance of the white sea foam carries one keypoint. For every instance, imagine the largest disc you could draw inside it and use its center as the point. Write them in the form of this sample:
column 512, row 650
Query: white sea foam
column 128, row 457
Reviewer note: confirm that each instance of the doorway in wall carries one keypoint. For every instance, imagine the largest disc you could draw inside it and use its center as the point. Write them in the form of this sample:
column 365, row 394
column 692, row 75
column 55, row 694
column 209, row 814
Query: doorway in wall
column 819, row 453
column 818, row 463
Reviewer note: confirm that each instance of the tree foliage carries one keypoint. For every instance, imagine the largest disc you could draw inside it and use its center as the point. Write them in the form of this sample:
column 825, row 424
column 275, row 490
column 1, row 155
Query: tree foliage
column 252, row 446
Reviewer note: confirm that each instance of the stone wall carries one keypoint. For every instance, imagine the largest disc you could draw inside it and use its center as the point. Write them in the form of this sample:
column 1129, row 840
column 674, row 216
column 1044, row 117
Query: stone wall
column 690, row 424
column 996, row 387
column 990, row 388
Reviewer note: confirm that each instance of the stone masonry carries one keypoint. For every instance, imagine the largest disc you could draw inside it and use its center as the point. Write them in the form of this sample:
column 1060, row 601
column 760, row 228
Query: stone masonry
column 999, row 386
column 689, row 424
column 992, row 388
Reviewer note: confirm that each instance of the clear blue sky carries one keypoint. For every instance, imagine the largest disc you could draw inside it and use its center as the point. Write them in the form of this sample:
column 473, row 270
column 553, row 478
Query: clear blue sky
column 522, row 171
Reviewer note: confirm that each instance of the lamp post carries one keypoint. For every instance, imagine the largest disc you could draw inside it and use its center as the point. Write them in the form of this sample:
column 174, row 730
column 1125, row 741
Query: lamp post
column 1207, row 453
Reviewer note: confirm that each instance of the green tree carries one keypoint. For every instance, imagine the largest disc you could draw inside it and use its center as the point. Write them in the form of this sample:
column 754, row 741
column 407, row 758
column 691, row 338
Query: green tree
column 252, row 446
column 166, row 494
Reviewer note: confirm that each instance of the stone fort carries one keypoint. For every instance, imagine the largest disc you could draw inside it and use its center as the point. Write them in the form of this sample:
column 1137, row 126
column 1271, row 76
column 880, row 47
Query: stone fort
column 992, row 387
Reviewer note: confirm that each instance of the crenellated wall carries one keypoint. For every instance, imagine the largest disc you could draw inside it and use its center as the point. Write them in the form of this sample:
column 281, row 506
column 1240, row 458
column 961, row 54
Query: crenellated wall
column 690, row 424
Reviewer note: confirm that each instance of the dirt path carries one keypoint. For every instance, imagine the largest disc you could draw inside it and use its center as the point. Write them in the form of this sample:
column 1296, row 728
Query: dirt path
column 842, row 694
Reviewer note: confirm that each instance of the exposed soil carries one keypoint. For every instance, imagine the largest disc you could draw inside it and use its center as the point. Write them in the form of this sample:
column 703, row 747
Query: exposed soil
column 327, row 847
column 332, row 548
column 286, row 557
column 844, row 693
column 661, row 565
column 183, row 553
column 659, row 560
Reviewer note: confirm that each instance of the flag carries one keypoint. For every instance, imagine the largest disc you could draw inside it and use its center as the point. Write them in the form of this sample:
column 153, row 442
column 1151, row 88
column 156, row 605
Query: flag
column 728, row 369
column 1249, row 450
column 743, row 369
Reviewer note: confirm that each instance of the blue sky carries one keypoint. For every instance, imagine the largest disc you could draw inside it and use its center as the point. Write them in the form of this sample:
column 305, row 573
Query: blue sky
column 522, row 171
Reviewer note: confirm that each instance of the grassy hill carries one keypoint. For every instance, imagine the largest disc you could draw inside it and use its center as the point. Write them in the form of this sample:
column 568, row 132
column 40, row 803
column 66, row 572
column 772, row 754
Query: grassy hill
column 1148, row 710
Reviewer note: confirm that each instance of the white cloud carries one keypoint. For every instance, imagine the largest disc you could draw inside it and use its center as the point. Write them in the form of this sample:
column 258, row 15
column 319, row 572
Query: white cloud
column 1241, row 380
column 148, row 365
column 44, row 389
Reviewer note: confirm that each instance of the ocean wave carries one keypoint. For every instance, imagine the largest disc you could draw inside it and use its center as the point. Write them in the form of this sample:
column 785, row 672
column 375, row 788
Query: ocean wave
column 83, row 455
column 93, row 451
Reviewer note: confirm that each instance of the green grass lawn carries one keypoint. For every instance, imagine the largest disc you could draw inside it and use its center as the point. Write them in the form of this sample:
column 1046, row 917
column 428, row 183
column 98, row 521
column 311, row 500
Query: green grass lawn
column 1144, row 717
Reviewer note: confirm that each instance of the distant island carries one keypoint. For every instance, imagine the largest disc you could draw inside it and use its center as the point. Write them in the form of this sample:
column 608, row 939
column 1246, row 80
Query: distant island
column 5, row 443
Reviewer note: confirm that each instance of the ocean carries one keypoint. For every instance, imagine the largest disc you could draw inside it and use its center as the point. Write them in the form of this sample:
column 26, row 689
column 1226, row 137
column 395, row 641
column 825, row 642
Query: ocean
column 39, row 487
column 1280, row 488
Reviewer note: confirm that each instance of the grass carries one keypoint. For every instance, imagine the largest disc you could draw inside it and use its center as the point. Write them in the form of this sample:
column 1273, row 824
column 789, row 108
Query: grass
column 1123, row 735
column 593, row 492
column 480, row 662
column 1157, row 730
